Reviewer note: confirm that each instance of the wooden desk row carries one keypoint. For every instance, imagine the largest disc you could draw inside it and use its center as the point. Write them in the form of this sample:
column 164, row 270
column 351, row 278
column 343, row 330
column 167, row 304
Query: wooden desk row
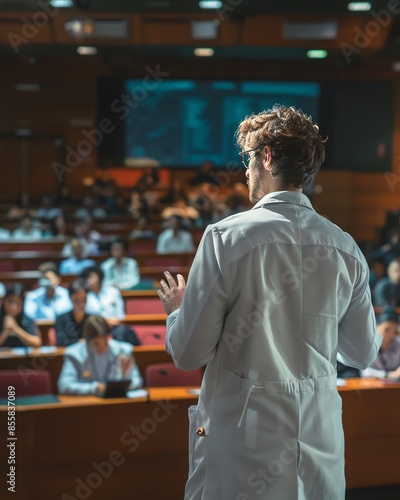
column 30, row 260
column 138, row 448
column 30, row 278
column 52, row 362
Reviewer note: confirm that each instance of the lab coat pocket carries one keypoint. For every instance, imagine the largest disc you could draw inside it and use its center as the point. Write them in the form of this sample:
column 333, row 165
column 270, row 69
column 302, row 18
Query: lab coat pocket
column 192, row 436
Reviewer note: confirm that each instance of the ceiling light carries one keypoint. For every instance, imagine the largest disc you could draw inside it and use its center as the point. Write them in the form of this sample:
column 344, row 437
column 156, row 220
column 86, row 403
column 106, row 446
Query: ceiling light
column 317, row 54
column 359, row 6
column 62, row 4
column 86, row 51
column 210, row 4
column 27, row 87
column 203, row 52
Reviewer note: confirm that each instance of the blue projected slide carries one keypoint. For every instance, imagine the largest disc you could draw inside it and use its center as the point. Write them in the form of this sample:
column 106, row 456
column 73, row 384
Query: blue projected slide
column 182, row 123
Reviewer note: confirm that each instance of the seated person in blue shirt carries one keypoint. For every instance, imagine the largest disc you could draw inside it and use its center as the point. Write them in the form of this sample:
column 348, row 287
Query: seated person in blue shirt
column 69, row 326
column 50, row 299
column 16, row 329
column 77, row 263
column 107, row 301
column 387, row 364
column 91, row 362
column 387, row 289
column 120, row 271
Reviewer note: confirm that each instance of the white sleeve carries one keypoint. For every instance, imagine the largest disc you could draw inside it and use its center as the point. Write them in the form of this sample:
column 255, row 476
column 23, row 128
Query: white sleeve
column 30, row 306
column 359, row 340
column 194, row 330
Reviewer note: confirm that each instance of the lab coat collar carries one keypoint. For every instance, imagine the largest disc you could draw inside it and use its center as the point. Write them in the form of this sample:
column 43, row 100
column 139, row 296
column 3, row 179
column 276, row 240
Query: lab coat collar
column 293, row 197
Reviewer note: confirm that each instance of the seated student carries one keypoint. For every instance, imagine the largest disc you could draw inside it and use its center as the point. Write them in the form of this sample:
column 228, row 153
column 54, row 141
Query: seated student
column 87, row 236
column 69, row 325
column 120, row 271
column 47, row 210
column 387, row 289
column 50, row 299
column 387, row 364
column 17, row 330
column 77, row 262
column 27, row 230
column 102, row 299
column 106, row 301
column 142, row 231
column 91, row 362
column 4, row 233
column 174, row 239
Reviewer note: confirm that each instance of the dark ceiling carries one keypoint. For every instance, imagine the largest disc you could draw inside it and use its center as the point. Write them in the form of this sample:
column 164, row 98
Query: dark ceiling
column 236, row 9
column 242, row 7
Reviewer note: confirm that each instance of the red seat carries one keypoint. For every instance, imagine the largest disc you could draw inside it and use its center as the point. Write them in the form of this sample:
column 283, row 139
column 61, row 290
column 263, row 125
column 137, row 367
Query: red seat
column 6, row 266
column 27, row 382
column 168, row 375
column 163, row 261
column 144, row 306
column 150, row 334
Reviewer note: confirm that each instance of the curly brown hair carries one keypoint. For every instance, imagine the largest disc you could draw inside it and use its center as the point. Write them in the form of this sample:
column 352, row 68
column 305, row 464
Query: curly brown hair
column 297, row 148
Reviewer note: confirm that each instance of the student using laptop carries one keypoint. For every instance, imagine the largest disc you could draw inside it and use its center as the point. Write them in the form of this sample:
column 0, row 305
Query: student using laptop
column 95, row 360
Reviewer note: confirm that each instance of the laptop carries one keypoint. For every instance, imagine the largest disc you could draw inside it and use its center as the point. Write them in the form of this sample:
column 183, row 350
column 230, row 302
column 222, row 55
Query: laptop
column 116, row 388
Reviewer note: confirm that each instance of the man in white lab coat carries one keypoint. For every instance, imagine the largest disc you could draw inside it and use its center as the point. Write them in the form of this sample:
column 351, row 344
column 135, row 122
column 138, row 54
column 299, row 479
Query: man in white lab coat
column 274, row 297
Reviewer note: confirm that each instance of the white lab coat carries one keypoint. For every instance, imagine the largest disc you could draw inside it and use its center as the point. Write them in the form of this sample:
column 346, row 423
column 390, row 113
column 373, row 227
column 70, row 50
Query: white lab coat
column 275, row 295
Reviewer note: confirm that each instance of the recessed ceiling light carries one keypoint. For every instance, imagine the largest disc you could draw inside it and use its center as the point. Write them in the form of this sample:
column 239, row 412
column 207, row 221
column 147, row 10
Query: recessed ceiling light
column 210, row 4
column 86, row 51
column 62, row 4
column 359, row 6
column 203, row 52
column 27, row 87
column 317, row 54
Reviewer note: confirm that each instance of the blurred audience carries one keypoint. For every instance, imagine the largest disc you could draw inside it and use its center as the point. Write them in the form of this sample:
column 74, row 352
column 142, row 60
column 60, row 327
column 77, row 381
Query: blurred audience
column 77, row 262
column 138, row 206
column 142, row 230
column 47, row 210
column 175, row 194
column 4, row 233
column 27, row 230
column 389, row 251
column 21, row 208
column 387, row 289
column 204, row 175
column 57, row 228
column 387, row 364
column 88, row 237
column 17, row 330
column 103, row 299
column 69, row 326
column 90, row 209
column 49, row 299
column 91, row 363
column 174, row 239
column 119, row 270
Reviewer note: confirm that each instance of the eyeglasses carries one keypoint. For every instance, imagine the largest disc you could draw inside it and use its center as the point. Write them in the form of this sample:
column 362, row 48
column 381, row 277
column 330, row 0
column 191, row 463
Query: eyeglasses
column 246, row 157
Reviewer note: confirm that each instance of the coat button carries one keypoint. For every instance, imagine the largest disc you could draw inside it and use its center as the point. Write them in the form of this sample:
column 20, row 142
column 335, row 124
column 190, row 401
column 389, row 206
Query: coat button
column 201, row 431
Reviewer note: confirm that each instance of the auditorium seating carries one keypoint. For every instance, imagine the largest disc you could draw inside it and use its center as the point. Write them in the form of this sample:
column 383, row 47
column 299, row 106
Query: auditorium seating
column 168, row 375
column 25, row 382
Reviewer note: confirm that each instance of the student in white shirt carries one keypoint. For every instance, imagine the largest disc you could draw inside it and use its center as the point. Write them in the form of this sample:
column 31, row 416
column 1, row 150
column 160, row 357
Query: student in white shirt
column 174, row 239
column 77, row 262
column 27, row 230
column 49, row 299
column 120, row 271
